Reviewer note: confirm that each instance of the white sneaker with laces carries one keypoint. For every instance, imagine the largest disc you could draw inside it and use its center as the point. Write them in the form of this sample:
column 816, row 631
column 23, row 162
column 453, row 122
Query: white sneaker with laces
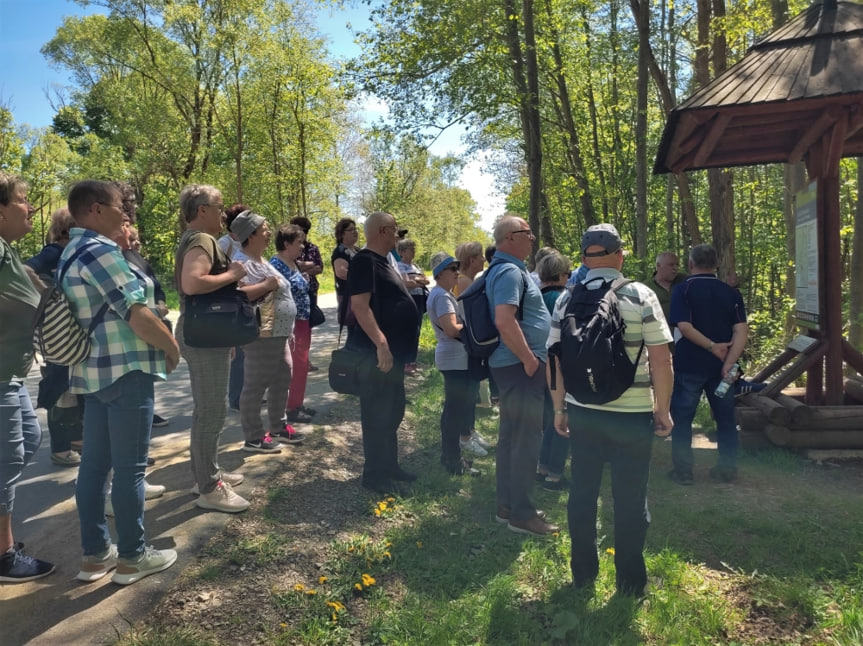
column 484, row 443
column 232, row 479
column 472, row 446
column 94, row 567
column 150, row 562
column 152, row 491
column 223, row 498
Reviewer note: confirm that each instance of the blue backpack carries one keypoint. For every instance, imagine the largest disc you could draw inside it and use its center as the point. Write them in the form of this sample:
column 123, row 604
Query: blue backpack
column 479, row 333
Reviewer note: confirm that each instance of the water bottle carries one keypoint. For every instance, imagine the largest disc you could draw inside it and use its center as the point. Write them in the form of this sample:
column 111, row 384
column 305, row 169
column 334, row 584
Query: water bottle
column 727, row 380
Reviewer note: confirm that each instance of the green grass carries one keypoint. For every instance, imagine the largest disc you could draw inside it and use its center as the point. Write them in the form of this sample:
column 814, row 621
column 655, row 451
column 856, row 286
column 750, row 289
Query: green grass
column 774, row 559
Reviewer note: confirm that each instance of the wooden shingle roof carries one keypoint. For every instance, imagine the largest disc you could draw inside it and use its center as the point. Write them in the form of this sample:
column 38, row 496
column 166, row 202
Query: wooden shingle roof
column 789, row 89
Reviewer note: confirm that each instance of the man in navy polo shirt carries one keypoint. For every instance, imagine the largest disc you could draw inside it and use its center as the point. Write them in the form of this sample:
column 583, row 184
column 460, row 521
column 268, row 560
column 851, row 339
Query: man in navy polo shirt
column 711, row 320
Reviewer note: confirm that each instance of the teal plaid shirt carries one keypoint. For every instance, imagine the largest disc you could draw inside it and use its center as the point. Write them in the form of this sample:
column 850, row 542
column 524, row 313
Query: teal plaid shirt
column 102, row 275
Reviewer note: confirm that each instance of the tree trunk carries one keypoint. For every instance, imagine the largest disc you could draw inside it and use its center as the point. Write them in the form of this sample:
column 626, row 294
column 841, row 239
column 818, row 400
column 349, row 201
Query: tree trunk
column 526, row 80
column 855, row 331
column 641, row 131
column 570, row 131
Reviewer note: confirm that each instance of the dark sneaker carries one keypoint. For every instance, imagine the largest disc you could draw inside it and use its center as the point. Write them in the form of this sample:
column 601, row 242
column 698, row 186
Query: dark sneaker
column 681, row 477
column 462, row 467
column 159, row 421
column 313, row 368
column 288, row 435
column 298, row 415
column 560, row 484
column 17, row 567
column 264, row 445
column 502, row 515
column 743, row 387
column 311, row 412
column 723, row 474
column 403, row 476
column 535, row 526
column 386, row 487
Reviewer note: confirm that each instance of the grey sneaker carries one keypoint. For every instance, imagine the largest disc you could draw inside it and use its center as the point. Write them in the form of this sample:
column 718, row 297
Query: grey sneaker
column 232, row 479
column 223, row 498
column 150, row 562
column 94, row 567
column 472, row 446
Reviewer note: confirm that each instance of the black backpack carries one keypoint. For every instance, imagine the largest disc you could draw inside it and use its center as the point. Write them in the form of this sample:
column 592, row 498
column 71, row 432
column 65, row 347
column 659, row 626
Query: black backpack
column 592, row 349
column 479, row 333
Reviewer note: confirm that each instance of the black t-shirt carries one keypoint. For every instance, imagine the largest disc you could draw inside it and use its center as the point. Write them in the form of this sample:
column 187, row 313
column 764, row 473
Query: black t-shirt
column 347, row 255
column 392, row 305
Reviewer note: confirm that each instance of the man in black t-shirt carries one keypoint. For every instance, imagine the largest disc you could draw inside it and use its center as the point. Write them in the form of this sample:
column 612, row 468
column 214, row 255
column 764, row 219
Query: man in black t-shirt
column 386, row 328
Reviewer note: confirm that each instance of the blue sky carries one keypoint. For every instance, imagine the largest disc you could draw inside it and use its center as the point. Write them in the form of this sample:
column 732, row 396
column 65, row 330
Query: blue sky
column 27, row 78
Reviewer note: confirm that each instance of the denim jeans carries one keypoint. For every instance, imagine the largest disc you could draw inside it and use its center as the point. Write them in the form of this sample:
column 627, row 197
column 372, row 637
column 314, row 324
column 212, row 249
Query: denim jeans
column 684, row 401
column 625, row 441
column 117, row 425
column 459, row 412
column 519, row 437
column 20, row 436
column 554, row 447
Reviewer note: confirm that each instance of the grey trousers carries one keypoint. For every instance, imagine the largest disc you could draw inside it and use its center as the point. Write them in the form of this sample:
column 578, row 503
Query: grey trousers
column 267, row 368
column 519, row 438
column 208, row 375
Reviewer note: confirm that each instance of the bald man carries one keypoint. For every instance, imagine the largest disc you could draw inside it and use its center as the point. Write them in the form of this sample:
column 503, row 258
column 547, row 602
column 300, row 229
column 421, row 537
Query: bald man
column 386, row 330
column 665, row 278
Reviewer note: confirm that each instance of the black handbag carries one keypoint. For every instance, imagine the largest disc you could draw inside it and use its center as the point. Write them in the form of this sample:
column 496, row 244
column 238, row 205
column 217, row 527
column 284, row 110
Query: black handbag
column 220, row 319
column 316, row 316
column 350, row 371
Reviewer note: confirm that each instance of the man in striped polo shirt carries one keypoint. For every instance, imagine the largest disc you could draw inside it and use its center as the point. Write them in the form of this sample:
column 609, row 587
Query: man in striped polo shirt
column 619, row 432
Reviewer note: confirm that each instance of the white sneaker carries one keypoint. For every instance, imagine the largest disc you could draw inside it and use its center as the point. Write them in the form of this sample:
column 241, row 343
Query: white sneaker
column 232, row 479
column 223, row 498
column 484, row 443
column 152, row 491
column 472, row 446
column 150, row 562
column 95, row 567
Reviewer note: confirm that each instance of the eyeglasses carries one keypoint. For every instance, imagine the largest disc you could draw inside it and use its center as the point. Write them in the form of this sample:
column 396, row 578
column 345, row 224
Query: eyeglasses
column 527, row 231
column 119, row 207
column 221, row 207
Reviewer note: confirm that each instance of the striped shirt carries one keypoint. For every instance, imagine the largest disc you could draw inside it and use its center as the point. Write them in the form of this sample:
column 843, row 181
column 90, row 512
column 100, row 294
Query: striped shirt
column 102, row 275
column 645, row 323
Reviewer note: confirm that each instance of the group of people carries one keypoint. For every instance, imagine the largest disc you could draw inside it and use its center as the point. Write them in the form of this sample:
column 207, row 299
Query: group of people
column 113, row 293
column 539, row 420
column 381, row 303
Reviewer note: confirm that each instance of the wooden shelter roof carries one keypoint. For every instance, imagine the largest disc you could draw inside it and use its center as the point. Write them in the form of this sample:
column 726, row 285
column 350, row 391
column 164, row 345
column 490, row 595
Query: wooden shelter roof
column 790, row 89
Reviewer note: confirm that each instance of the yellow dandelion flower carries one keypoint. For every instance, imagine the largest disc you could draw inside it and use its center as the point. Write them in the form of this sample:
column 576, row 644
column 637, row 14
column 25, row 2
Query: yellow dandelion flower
column 391, row 499
column 610, row 550
column 388, row 544
column 283, row 625
column 555, row 534
column 322, row 579
column 368, row 580
column 311, row 592
column 299, row 587
column 351, row 548
column 388, row 555
column 378, row 513
column 358, row 586
column 382, row 506
column 335, row 617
